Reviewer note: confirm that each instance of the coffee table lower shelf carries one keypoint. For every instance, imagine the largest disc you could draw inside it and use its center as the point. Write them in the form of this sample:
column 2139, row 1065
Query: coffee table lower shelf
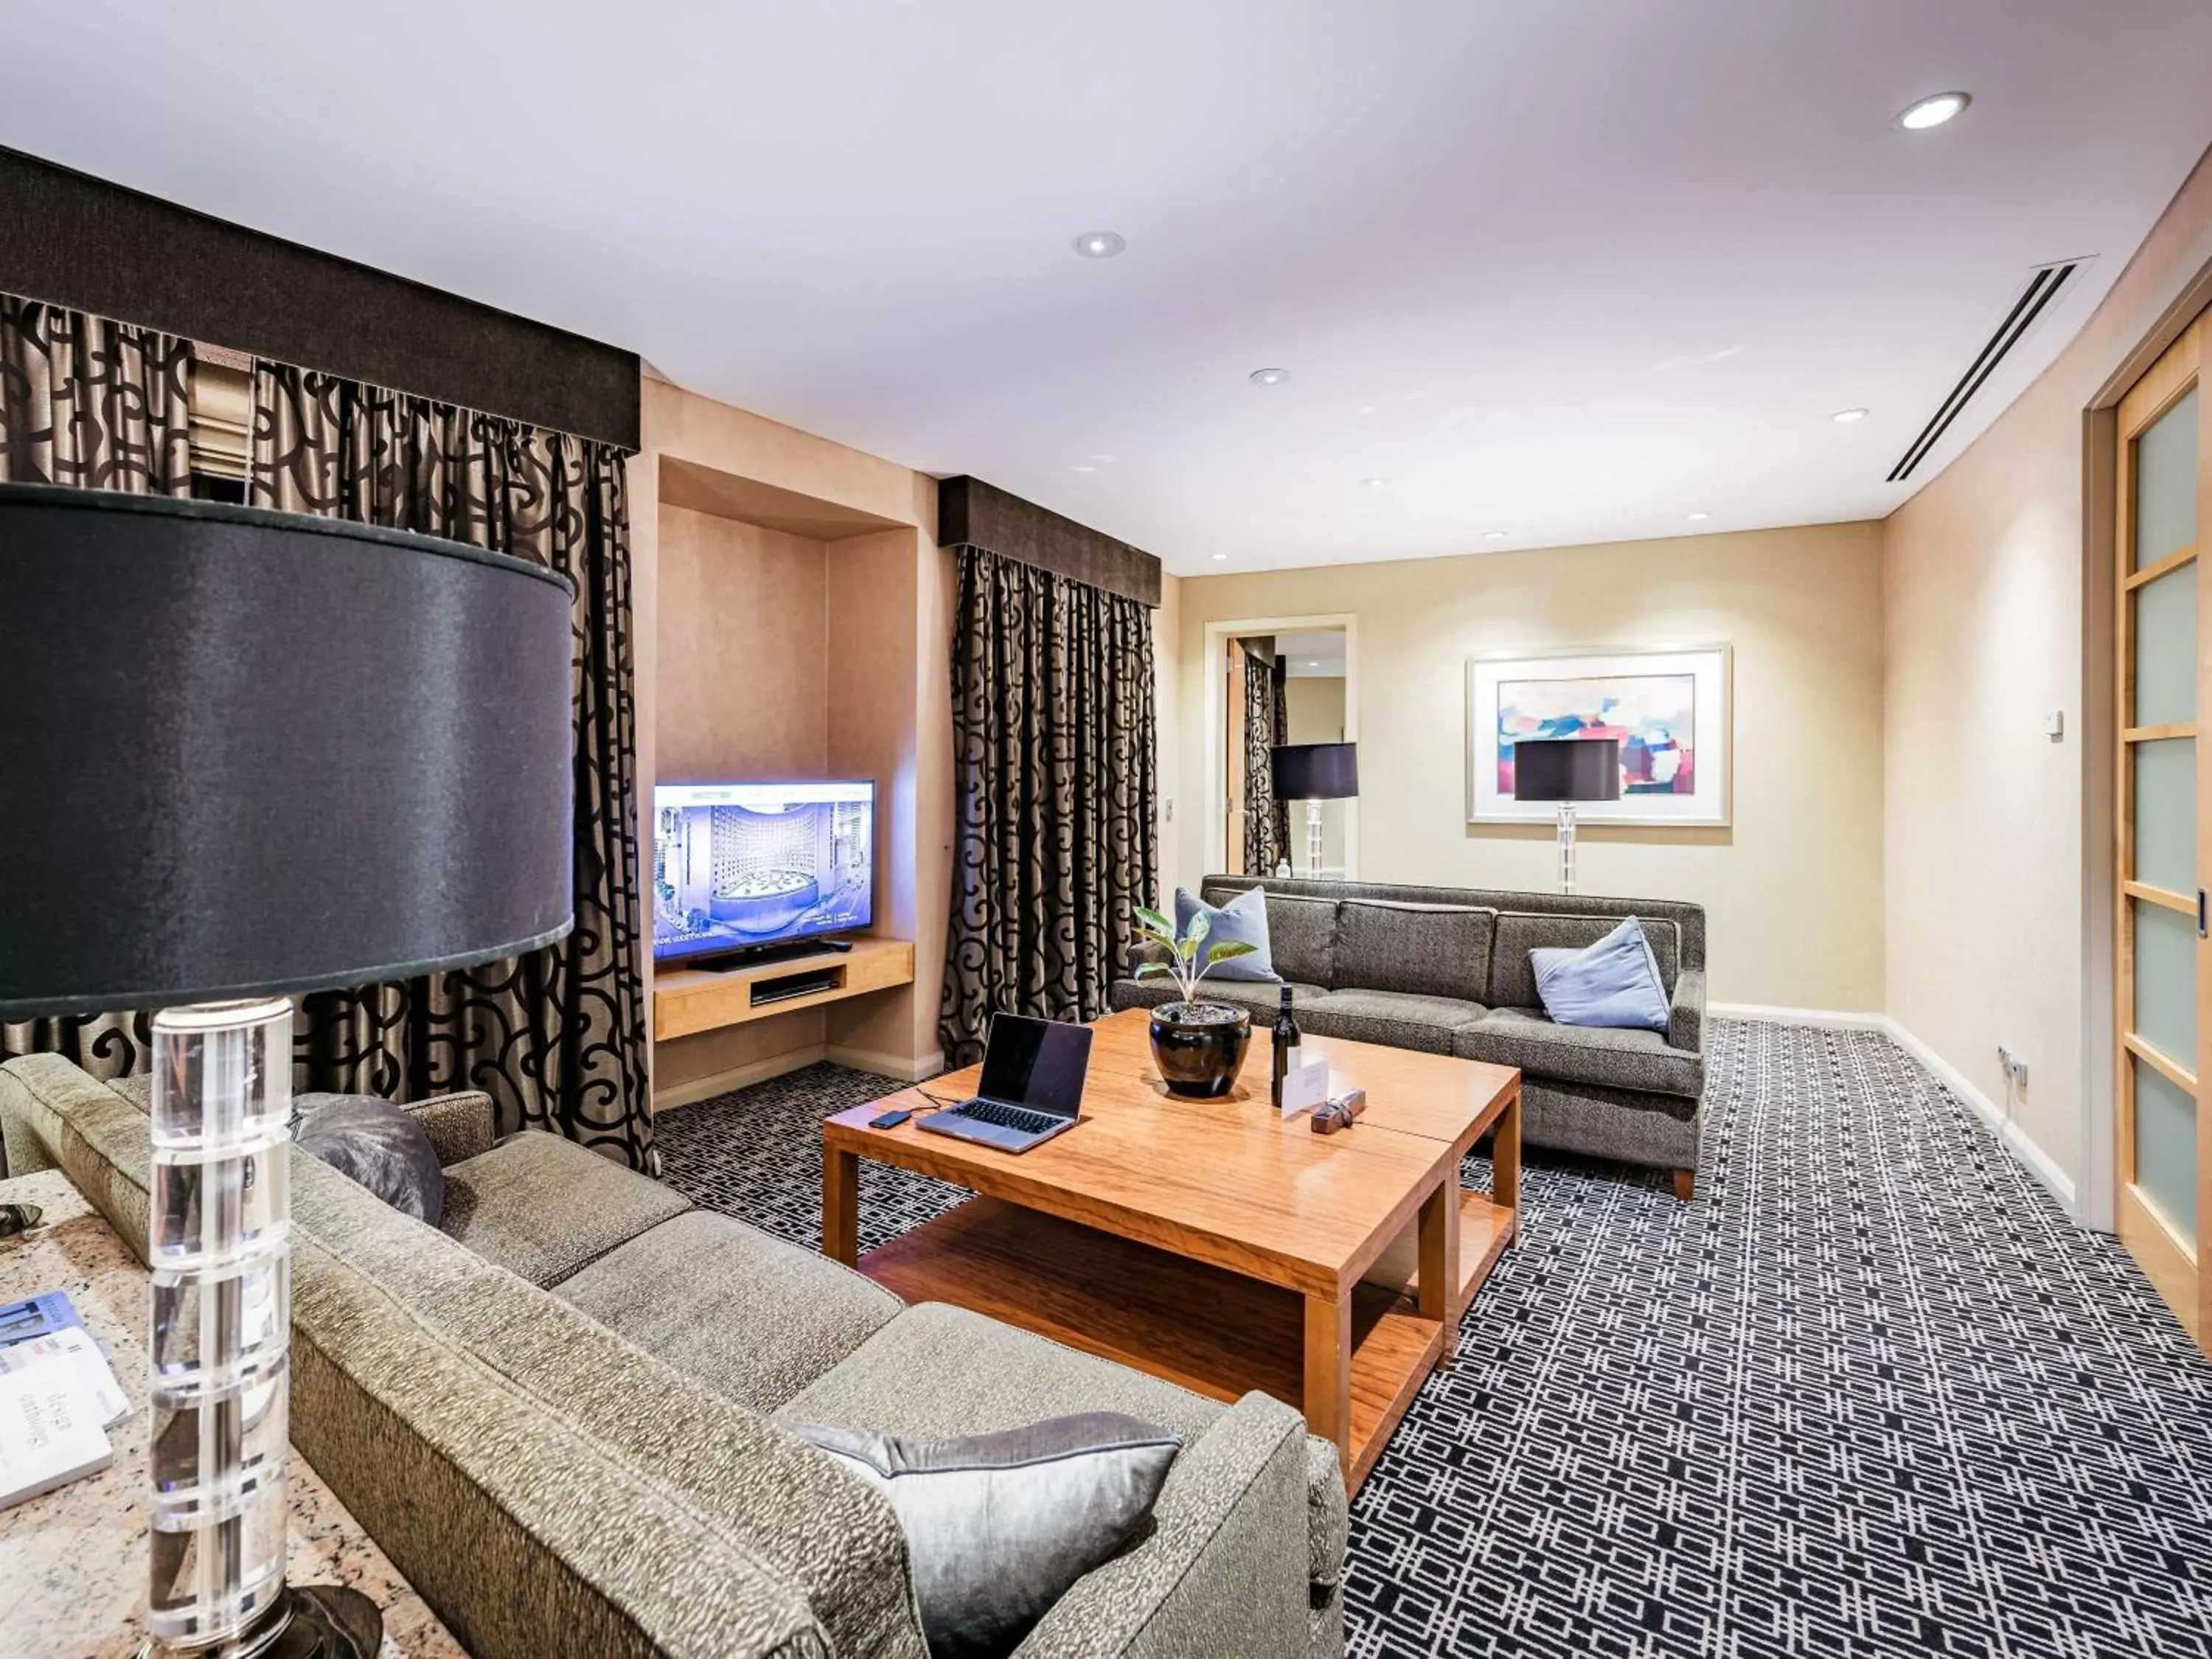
column 1215, row 1332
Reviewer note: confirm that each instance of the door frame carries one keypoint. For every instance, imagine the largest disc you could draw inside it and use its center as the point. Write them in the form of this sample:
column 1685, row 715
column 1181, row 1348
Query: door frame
column 1218, row 636
column 2097, row 1085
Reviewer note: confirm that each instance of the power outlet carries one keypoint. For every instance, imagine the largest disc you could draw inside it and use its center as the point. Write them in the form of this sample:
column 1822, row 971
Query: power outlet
column 2013, row 1065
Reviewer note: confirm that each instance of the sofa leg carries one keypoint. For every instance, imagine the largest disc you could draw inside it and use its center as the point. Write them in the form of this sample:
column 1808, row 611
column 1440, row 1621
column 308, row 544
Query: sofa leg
column 1686, row 1184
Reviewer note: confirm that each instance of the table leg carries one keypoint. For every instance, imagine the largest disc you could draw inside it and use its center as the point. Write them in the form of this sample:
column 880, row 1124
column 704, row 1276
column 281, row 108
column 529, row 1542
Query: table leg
column 1437, row 1284
column 1505, row 1163
column 841, row 1206
column 1329, row 1372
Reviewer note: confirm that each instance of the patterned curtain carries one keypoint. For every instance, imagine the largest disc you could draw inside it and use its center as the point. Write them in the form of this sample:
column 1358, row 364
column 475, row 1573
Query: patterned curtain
column 1266, row 723
column 556, row 1037
column 104, row 406
column 1055, row 844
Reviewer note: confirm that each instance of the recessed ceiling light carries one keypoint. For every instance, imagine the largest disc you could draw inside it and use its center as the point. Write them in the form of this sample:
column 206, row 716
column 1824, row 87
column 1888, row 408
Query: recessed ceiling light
column 1099, row 244
column 1220, row 556
column 1313, row 662
column 1845, row 417
column 1494, row 535
column 1374, row 483
column 1698, row 518
column 1268, row 376
column 1082, row 466
column 1933, row 112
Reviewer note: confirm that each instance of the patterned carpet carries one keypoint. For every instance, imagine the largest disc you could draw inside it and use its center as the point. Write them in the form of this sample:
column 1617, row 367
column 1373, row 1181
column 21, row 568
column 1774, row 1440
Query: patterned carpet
column 1870, row 1393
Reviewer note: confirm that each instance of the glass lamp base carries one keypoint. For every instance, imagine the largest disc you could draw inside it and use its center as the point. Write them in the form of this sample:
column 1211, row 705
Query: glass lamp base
column 311, row 1621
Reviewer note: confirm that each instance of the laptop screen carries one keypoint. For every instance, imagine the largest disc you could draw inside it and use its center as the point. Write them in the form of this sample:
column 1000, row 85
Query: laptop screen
column 1038, row 1063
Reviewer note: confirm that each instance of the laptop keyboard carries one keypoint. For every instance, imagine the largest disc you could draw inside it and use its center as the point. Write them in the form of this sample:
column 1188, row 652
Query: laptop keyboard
column 1008, row 1117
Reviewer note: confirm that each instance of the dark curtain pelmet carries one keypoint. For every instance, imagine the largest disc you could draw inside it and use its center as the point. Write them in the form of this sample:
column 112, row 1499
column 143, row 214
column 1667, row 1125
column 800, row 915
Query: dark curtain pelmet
column 103, row 405
column 1055, row 837
column 557, row 1038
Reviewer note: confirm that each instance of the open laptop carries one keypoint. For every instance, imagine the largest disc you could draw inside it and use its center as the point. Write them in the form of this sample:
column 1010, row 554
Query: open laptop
column 1033, row 1072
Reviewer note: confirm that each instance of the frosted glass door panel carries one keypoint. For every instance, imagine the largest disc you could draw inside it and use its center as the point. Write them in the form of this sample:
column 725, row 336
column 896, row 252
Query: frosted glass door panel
column 2165, row 815
column 2166, row 981
column 2165, row 648
column 2166, row 1148
column 2166, row 484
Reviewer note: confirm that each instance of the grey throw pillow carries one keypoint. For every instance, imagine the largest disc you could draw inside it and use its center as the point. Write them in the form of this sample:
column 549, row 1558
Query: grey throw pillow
column 999, row 1526
column 1242, row 921
column 379, row 1145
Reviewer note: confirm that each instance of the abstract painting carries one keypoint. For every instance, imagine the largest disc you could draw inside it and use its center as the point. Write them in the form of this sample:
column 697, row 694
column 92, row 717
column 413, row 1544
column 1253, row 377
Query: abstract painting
column 1669, row 709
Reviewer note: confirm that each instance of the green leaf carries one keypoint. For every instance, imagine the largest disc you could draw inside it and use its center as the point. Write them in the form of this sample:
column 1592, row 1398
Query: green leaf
column 1200, row 926
column 1146, row 970
column 1228, row 948
column 1188, row 948
column 1153, row 922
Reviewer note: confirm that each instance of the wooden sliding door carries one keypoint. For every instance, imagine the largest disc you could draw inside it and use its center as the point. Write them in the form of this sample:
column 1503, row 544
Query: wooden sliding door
column 2164, row 978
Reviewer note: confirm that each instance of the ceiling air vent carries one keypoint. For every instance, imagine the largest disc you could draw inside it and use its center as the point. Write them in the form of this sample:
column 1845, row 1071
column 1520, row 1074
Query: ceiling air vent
column 2043, row 287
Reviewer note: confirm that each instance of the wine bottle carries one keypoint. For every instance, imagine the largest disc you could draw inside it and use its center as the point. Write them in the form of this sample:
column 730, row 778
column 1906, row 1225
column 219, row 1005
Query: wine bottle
column 1286, row 1045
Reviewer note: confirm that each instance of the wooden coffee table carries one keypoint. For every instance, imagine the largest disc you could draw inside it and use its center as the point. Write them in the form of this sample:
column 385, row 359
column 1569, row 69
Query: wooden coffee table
column 1210, row 1242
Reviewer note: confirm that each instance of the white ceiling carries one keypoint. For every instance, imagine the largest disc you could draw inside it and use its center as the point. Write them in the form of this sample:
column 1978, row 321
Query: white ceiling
column 1319, row 655
column 1569, row 268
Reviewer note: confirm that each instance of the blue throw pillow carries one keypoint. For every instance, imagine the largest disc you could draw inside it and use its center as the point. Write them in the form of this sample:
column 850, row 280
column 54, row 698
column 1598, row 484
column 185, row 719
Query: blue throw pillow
column 1613, row 982
column 1242, row 921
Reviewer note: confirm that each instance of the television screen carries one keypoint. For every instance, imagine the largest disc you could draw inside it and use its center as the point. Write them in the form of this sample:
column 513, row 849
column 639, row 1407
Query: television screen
column 738, row 865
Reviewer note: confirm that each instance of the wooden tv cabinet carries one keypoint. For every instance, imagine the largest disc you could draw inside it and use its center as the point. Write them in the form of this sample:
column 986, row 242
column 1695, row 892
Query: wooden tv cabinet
column 686, row 1000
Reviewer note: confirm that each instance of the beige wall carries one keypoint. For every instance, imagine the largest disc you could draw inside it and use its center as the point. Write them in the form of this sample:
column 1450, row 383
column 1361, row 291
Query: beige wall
column 762, row 652
column 1794, row 889
column 1996, row 845
column 1315, row 711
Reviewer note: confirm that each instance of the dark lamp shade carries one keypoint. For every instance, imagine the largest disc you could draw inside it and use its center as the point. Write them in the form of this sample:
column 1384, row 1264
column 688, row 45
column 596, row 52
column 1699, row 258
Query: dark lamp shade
column 1567, row 769
column 248, row 753
column 1316, row 771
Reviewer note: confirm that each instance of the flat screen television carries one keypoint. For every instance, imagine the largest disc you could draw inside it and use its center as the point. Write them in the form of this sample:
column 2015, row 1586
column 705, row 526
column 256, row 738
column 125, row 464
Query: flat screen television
column 738, row 866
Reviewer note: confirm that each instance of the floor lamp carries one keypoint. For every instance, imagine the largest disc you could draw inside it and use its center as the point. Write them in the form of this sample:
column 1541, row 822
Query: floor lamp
column 251, row 754
column 1314, row 773
column 1567, row 770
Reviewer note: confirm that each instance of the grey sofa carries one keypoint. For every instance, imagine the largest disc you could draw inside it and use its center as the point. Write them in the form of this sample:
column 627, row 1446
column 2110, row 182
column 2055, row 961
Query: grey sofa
column 563, row 1414
column 1446, row 969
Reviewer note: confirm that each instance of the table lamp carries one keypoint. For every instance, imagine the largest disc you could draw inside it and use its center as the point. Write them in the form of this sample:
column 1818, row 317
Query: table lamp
column 1314, row 773
column 251, row 754
column 1566, row 770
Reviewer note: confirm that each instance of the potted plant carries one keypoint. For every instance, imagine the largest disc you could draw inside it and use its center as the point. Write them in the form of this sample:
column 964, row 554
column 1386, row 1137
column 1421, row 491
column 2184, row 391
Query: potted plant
column 1198, row 1046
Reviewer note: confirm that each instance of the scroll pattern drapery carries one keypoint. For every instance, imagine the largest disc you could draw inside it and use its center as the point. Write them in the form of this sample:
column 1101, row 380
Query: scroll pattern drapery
column 1055, row 836
column 104, row 406
column 558, row 1038
column 1266, row 723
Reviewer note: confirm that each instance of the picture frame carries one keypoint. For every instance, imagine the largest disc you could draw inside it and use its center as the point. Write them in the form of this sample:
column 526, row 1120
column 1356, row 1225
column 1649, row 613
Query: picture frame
column 1671, row 707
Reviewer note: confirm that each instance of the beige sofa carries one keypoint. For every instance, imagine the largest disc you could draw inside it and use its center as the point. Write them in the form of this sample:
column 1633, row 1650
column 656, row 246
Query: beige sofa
column 563, row 1414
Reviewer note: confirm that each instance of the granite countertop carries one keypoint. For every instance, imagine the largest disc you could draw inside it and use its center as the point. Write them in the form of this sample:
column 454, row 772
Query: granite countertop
column 73, row 1561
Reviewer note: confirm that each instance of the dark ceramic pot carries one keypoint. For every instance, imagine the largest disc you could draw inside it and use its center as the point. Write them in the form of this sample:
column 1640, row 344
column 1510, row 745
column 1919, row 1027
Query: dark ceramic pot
column 1199, row 1046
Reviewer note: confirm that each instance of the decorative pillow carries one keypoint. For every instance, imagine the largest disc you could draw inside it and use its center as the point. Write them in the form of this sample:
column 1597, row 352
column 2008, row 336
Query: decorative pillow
column 999, row 1526
column 1613, row 982
column 1242, row 921
column 378, row 1144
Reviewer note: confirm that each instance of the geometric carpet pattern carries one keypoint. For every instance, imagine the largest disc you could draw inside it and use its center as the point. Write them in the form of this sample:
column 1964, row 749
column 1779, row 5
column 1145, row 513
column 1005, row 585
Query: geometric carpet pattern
column 1870, row 1393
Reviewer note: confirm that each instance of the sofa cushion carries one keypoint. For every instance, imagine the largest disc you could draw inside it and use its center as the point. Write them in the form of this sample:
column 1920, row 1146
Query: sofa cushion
column 1300, row 931
column 1513, row 979
column 1398, row 1018
column 1428, row 950
column 1242, row 921
column 1261, row 998
column 543, row 1206
column 1613, row 982
column 938, row 1371
column 1606, row 1055
column 750, row 1316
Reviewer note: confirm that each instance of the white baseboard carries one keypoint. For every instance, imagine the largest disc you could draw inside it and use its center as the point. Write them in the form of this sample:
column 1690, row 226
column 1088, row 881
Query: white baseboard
column 897, row 1065
column 1833, row 1018
column 2015, row 1140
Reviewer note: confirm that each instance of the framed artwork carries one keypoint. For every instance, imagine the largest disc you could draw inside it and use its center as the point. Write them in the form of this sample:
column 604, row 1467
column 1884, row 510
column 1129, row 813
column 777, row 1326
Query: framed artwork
column 1669, row 708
